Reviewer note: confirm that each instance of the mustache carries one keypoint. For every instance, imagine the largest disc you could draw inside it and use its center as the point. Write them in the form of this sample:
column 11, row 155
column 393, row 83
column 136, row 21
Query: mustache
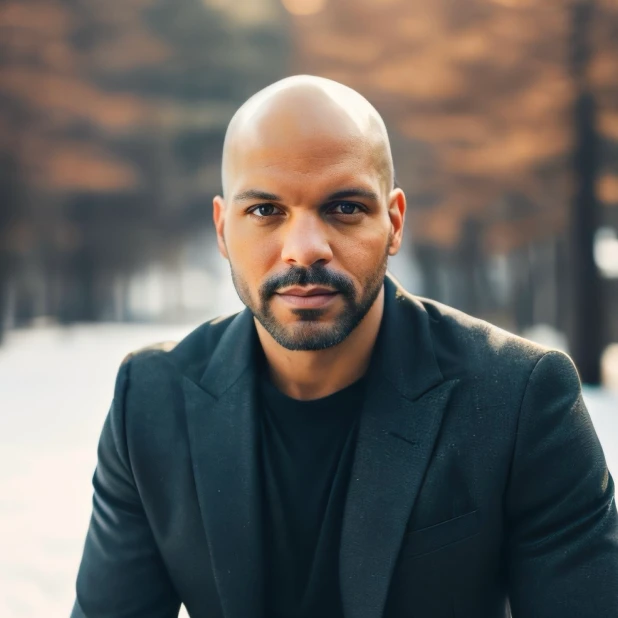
column 314, row 275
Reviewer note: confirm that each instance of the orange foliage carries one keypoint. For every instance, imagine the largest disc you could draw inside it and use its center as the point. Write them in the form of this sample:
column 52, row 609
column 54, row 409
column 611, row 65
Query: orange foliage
column 49, row 92
column 608, row 188
column 82, row 167
column 48, row 18
column 134, row 48
column 484, row 85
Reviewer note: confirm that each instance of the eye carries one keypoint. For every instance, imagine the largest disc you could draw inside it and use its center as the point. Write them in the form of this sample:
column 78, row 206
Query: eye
column 346, row 208
column 263, row 210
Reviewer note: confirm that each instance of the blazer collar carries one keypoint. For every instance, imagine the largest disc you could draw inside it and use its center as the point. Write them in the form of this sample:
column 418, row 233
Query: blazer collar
column 404, row 352
column 400, row 422
column 223, row 427
column 235, row 353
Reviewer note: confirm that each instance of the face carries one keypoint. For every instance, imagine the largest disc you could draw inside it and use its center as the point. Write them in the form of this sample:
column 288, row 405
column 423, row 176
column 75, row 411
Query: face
column 308, row 232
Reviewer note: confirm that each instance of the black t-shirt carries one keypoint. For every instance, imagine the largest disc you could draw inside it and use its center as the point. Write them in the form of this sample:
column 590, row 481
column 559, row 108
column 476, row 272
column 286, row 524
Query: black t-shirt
column 307, row 452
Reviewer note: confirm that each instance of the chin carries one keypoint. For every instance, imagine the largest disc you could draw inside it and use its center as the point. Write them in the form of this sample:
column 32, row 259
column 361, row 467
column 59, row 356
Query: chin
column 308, row 336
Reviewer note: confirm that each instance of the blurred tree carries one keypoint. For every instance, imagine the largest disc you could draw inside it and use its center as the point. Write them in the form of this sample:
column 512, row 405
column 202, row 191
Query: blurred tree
column 116, row 116
column 10, row 198
column 487, row 113
column 588, row 336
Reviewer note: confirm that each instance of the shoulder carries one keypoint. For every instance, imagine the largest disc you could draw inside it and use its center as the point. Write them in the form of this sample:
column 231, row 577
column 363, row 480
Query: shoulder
column 149, row 383
column 476, row 340
column 190, row 356
column 473, row 348
column 161, row 346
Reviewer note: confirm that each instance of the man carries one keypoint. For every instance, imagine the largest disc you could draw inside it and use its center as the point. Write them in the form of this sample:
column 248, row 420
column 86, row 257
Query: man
column 341, row 448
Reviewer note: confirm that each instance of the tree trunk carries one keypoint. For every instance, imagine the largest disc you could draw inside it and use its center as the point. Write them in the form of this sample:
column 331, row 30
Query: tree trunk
column 588, row 324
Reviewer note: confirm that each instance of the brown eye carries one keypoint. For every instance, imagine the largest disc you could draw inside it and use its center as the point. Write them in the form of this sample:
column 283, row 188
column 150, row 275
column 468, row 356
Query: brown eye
column 346, row 208
column 264, row 210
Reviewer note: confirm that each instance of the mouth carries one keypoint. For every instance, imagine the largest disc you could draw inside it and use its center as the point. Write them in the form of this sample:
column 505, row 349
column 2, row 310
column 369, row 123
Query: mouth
column 307, row 297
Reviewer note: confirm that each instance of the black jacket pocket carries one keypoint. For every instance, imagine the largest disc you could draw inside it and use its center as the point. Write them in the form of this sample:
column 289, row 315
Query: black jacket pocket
column 425, row 540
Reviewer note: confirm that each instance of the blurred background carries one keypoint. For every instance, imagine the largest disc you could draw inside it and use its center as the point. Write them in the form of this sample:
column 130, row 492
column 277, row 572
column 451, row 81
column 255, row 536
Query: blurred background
column 503, row 117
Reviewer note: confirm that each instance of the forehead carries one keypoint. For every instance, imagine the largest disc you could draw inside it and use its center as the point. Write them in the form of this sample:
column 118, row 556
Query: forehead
column 303, row 165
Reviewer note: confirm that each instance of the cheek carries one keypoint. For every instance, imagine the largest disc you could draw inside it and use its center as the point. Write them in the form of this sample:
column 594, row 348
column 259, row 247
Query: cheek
column 363, row 253
column 250, row 254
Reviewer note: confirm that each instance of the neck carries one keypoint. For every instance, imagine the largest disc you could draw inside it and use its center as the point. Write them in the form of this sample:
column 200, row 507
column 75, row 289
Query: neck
column 311, row 375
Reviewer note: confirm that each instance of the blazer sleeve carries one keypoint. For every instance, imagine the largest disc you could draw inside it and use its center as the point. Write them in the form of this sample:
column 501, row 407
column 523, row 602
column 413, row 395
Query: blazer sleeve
column 121, row 574
column 562, row 526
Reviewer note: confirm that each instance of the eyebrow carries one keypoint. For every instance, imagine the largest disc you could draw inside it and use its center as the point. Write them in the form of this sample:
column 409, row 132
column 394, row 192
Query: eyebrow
column 352, row 192
column 256, row 194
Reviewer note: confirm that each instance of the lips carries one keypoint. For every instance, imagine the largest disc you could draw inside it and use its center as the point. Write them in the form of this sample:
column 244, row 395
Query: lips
column 304, row 292
column 307, row 298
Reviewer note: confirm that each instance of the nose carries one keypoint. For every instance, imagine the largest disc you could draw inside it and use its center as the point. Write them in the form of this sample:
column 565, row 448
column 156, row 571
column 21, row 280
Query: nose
column 305, row 241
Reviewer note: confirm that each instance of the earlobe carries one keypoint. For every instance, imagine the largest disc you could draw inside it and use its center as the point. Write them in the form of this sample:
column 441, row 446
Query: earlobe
column 397, row 212
column 394, row 248
column 218, row 215
column 222, row 247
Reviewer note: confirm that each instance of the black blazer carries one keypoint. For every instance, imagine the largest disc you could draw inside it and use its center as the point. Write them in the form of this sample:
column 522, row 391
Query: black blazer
column 478, row 481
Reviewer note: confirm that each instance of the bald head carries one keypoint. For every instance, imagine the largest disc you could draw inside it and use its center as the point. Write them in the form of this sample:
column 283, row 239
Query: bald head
column 303, row 114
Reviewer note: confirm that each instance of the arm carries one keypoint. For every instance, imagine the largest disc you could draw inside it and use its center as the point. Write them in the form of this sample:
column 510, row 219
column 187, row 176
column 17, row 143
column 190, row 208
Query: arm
column 121, row 573
column 562, row 526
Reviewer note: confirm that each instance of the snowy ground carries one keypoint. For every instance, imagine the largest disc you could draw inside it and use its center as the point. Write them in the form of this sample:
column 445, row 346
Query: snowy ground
column 55, row 387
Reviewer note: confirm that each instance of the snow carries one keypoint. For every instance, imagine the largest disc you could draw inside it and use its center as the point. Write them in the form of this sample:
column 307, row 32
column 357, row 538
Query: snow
column 55, row 386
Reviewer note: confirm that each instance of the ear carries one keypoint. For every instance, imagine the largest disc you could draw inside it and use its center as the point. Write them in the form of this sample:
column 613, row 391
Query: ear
column 218, row 216
column 396, row 213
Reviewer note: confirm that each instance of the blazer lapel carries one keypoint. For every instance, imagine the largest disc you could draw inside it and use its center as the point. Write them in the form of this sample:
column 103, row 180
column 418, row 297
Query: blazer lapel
column 400, row 421
column 223, row 431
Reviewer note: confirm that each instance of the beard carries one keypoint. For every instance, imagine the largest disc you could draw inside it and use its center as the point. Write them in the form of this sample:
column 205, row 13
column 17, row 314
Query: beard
column 310, row 332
